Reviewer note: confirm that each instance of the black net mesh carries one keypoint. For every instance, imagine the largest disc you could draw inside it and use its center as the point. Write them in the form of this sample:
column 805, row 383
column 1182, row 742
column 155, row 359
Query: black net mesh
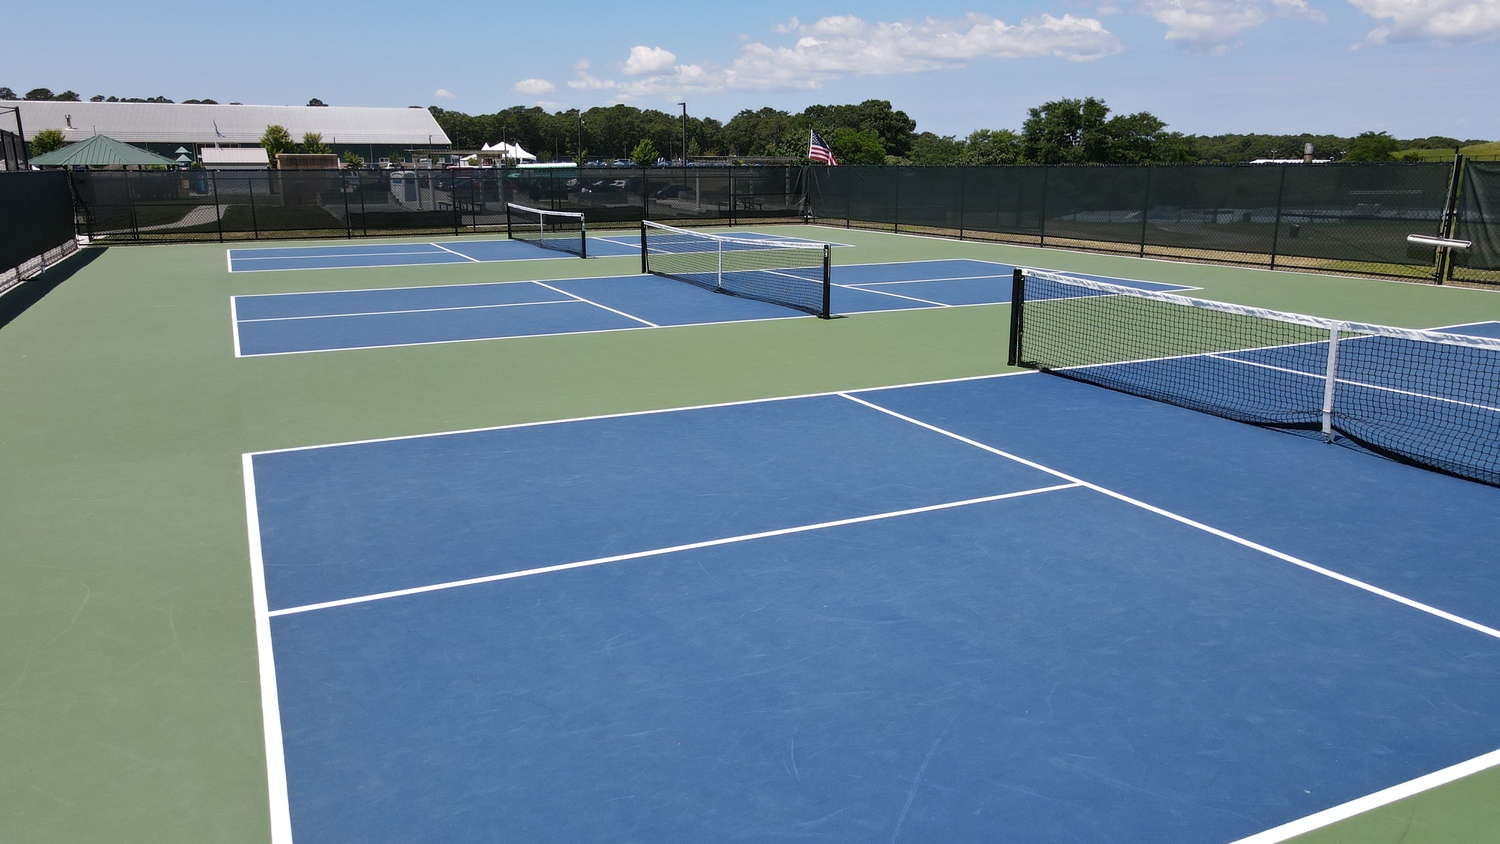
column 563, row 231
column 1423, row 397
column 794, row 274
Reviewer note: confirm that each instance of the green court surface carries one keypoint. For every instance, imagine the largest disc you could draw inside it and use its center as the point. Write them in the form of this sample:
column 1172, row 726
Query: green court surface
column 129, row 697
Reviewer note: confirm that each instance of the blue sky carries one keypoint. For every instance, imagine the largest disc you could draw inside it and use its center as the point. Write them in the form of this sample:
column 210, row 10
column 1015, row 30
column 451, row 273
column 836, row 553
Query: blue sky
column 1411, row 67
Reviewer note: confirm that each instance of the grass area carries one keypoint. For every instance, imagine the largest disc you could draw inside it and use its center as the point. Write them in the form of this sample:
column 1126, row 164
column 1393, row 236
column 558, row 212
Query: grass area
column 1487, row 150
column 128, row 676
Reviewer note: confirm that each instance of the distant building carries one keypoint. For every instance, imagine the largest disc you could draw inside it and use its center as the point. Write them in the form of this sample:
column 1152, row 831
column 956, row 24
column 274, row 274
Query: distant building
column 371, row 133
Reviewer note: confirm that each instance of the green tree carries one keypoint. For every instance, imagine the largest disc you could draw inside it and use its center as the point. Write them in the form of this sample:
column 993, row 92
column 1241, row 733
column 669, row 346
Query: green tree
column 46, row 141
column 7, row 94
column 1066, row 132
column 988, row 148
column 352, row 159
column 39, row 94
column 644, row 154
column 856, row 146
column 67, row 97
column 1373, row 146
column 316, row 102
column 312, row 144
column 894, row 128
column 276, row 141
column 930, row 149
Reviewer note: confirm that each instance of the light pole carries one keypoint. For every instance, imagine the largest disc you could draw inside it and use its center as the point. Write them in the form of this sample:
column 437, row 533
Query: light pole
column 684, row 133
column 579, row 114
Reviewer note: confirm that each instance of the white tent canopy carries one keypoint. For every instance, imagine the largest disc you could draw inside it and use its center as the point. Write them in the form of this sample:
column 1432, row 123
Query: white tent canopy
column 511, row 151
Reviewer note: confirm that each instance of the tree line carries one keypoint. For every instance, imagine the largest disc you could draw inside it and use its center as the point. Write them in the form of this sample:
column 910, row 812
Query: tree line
column 1067, row 131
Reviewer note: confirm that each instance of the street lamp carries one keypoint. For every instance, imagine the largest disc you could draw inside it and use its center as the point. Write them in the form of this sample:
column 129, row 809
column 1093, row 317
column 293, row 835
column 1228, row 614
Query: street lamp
column 684, row 133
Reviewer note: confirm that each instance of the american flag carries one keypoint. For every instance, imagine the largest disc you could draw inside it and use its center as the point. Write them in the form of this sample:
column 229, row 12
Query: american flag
column 818, row 150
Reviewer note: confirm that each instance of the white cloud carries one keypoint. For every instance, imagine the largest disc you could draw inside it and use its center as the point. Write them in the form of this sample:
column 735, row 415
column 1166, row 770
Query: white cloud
column 588, row 82
column 1209, row 25
column 1442, row 21
column 535, row 87
column 845, row 45
column 443, row 94
column 648, row 60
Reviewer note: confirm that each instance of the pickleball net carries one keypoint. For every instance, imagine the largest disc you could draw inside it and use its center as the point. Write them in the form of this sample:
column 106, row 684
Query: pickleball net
column 564, row 231
column 1430, row 398
column 792, row 273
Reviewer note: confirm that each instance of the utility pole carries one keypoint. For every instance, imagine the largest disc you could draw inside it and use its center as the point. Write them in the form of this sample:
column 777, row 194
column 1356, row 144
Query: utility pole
column 579, row 114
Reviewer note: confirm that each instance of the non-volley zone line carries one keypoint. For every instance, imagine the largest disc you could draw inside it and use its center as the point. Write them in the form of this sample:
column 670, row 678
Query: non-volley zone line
column 1057, row 623
column 376, row 255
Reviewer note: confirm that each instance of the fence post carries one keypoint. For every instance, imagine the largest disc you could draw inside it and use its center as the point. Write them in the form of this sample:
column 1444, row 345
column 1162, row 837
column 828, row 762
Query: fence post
column 213, row 179
column 135, row 229
column 1449, row 221
column 1145, row 211
column 1276, row 229
column 848, row 200
column 963, row 192
column 364, row 217
column 344, row 192
column 732, row 198
column 1042, row 223
column 250, row 189
column 896, row 200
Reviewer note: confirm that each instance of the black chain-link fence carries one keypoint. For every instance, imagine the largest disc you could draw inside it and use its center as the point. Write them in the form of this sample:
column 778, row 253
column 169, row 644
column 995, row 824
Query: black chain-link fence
column 1348, row 218
column 1339, row 218
column 36, row 224
column 192, row 205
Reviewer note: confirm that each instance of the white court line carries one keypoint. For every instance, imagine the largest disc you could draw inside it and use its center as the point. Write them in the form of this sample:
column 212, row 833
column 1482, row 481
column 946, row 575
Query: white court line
column 1352, row 383
column 234, row 324
column 646, row 323
column 415, row 310
column 270, row 704
column 895, row 296
column 459, row 254
column 378, row 289
column 629, row 413
column 625, row 328
column 332, row 256
column 657, row 552
column 1255, row 546
column 459, row 340
column 1373, row 801
column 1003, row 278
column 1464, row 325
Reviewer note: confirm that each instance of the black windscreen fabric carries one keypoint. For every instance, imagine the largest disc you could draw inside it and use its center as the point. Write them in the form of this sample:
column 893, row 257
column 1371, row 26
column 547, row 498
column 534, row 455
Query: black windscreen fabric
column 1096, row 204
column 36, row 215
column 1360, row 213
column 1479, row 214
column 1214, row 209
column 1004, row 200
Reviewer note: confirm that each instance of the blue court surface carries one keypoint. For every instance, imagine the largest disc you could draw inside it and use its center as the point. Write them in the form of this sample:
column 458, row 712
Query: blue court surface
column 357, row 319
column 368, row 255
column 1001, row 609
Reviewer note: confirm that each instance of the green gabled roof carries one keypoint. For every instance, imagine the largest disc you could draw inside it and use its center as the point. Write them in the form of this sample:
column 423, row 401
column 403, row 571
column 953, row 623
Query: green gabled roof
column 100, row 151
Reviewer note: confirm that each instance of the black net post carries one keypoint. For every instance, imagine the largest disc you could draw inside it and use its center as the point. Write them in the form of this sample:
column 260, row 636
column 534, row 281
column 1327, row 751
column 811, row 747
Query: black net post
column 1017, row 302
column 644, row 267
column 827, row 281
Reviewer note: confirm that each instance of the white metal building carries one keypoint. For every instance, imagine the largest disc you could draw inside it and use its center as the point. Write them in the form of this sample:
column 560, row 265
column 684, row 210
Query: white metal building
column 372, row 133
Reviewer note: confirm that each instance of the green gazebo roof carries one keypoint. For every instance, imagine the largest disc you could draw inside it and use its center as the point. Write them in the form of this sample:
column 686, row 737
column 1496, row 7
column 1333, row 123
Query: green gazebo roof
column 100, row 151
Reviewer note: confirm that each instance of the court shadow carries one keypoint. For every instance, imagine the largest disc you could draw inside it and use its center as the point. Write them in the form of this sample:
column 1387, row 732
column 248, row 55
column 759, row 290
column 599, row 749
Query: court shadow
column 15, row 301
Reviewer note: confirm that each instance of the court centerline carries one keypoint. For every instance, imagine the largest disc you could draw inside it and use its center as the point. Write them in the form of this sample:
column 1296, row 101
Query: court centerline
column 658, row 552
